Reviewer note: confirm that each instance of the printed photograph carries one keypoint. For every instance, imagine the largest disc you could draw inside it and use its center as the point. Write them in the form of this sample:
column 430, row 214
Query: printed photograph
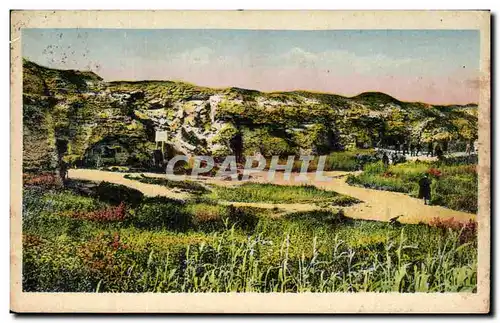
column 250, row 161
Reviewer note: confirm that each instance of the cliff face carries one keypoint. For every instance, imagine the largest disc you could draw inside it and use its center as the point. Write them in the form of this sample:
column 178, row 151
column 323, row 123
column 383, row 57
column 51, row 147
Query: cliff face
column 94, row 117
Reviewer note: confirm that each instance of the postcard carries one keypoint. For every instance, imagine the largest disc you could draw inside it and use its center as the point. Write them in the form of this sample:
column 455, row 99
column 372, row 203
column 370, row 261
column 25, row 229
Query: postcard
column 250, row 161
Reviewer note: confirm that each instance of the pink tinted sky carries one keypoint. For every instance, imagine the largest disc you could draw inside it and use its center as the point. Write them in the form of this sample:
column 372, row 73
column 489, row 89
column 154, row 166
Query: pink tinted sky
column 437, row 66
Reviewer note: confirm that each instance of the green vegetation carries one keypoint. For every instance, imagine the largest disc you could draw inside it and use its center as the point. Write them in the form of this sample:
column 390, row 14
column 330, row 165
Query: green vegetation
column 114, row 123
column 89, row 237
column 454, row 184
column 188, row 186
column 271, row 193
column 74, row 243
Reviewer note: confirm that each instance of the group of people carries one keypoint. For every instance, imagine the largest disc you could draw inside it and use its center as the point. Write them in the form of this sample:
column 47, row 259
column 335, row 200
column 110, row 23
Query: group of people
column 394, row 160
column 416, row 149
column 424, row 183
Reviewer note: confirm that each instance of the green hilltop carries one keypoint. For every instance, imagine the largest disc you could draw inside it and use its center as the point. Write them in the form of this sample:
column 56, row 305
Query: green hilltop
column 96, row 119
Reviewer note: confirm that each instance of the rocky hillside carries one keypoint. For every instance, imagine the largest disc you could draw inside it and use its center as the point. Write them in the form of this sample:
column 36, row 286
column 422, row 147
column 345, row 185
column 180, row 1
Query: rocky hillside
column 115, row 123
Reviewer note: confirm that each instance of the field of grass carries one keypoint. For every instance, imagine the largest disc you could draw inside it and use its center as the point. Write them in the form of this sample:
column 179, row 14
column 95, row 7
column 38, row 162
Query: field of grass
column 272, row 193
column 188, row 186
column 77, row 243
column 454, row 183
column 335, row 161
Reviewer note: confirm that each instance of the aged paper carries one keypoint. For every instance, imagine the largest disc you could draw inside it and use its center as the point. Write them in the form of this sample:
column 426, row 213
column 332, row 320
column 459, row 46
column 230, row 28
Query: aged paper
column 37, row 292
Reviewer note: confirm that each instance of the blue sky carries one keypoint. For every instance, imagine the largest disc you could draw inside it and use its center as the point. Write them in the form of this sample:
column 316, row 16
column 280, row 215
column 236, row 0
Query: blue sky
column 436, row 66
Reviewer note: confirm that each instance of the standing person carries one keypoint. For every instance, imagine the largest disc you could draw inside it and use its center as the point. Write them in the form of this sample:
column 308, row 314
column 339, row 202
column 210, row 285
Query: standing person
column 385, row 160
column 418, row 148
column 358, row 162
column 394, row 158
column 430, row 150
column 439, row 152
column 425, row 189
column 405, row 148
column 63, row 171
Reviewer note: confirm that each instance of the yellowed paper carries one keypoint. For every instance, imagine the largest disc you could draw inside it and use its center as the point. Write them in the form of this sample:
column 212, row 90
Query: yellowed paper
column 173, row 301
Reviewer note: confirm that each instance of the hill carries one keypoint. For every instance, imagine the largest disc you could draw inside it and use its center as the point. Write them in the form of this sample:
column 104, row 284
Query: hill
column 101, row 122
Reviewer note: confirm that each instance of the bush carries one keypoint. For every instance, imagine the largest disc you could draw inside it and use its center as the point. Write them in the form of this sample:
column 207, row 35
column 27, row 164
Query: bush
column 244, row 218
column 454, row 186
column 188, row 186
column 116, row 194
column 467, row 230
column 114, row 213
column 45, row 180
column 162, row 214
column 316, row 218
column 272, row 193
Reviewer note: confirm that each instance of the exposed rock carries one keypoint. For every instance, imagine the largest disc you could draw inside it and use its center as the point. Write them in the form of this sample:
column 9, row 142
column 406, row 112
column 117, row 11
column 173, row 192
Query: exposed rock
column 122, row 117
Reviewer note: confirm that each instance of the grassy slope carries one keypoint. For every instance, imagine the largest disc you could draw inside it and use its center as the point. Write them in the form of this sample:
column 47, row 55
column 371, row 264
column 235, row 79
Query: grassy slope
column 75, row 243
column 453, row 185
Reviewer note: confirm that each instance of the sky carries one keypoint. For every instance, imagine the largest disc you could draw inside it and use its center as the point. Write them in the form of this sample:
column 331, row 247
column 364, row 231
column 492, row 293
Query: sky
column 432, row 66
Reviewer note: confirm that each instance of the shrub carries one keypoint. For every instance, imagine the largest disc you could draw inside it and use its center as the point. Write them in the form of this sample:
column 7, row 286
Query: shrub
column 244, row 218
column 319, row 217
column 116, row 194
column 47, row 180
column 161, row 214
column 113, row 213
column 189, row 186
column 207, row 216
column 272, row 193
column 453, row 186
column 434, row 172
column 468, row 230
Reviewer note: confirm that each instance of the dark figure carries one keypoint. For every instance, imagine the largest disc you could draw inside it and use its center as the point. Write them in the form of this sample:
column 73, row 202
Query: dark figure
column 157, row 158
column 412, row 149
column 359, row 162
column 430, row 150
column 425, row 189
column 439, row 153
column 468, row 149
column 405, row 148
column 418, row 148
column 385, row 160
column 63, row 170
column 394, row 158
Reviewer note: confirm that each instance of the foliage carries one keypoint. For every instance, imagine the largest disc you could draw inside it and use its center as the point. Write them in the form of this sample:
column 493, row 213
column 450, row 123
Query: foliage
column 168, row 246
column 453, row 186
column 272, row 193
column 188, row 186
column 116, row 194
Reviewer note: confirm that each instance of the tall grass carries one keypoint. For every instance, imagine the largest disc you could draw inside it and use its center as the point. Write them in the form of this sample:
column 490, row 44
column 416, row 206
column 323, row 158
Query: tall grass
column 272, row 193
column 163, row 245
column 188, row 186
column 454, row 186
column 228, row 263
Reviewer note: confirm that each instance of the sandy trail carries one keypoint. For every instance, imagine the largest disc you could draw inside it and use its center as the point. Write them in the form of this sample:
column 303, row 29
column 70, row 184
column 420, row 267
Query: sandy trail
column 118, row 178
column 376, row 205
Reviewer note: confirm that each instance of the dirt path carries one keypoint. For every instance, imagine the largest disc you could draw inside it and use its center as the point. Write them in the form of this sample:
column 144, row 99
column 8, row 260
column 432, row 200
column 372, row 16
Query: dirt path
column 377, row 205
column 117, row 178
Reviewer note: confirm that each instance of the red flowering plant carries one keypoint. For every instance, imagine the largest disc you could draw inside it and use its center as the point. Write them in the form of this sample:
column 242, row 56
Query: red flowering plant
column 114, row 213
column 468, row 230
column 47, row 180
column 102, row 255
column 434, row 172
column 388, row 174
